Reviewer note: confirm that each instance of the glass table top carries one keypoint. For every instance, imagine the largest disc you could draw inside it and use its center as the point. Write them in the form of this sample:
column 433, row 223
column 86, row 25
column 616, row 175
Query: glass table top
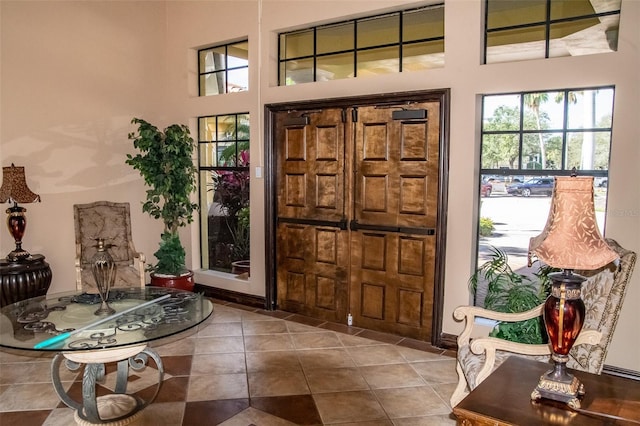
column 141, row 315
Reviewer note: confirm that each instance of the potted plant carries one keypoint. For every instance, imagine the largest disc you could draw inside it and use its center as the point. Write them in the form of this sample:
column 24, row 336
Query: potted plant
column 509, row 291
column 165, row 163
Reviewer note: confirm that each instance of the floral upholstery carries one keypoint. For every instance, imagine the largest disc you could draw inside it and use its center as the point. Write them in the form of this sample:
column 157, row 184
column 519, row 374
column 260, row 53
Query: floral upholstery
column 111, row 222
column 603, row 293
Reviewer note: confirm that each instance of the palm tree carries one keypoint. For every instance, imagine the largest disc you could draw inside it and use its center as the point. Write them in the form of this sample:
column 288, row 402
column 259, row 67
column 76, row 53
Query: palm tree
column 533, row 101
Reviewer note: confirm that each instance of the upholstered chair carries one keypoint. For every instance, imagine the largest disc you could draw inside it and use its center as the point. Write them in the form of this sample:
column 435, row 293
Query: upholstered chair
column 111, row 222
column 603, row 293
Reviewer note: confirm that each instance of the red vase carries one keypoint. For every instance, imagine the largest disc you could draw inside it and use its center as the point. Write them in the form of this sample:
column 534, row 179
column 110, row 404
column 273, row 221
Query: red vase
column 564, row 312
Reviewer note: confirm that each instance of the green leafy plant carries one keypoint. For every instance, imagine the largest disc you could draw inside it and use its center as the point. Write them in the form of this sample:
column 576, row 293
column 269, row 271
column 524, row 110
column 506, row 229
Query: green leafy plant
column 486, row 226
column 509, row 291
column 165, row 163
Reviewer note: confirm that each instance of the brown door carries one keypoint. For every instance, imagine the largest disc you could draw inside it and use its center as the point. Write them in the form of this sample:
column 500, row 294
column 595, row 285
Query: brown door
column 312, row 238
column 393, row 238
column 357, row 195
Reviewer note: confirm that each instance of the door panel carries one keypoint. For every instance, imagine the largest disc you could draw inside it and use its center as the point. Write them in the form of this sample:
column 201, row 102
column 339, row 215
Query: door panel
column 312, row 239
column 393, row 236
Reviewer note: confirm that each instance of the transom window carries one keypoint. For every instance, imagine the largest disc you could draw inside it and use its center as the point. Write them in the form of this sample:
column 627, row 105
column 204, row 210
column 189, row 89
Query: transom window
column 535, row 29
column 223, row 142
column 224, row 68
column 528, row 138
column 407, row 40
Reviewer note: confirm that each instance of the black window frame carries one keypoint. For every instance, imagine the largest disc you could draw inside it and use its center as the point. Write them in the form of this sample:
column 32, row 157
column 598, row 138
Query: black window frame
column 314, row 56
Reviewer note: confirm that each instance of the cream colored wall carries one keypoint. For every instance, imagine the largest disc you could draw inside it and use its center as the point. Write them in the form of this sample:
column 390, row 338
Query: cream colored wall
column 73, row 75
column 90, row 123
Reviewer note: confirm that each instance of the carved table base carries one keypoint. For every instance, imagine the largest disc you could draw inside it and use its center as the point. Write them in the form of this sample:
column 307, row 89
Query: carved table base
column 117, row 409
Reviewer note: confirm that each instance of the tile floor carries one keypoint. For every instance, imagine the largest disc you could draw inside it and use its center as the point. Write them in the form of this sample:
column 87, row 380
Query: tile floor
column 249, row 367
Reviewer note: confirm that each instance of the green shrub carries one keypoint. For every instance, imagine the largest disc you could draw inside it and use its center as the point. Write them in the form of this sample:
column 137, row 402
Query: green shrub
column 486, row 226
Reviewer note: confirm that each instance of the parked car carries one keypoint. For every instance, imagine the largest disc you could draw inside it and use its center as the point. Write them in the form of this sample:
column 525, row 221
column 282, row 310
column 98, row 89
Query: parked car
column 486, row 189
column 535, row 186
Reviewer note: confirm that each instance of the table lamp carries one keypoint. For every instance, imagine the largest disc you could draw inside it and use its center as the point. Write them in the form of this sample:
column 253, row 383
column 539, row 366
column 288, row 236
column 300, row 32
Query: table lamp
column 570, row 240
column 14, row 189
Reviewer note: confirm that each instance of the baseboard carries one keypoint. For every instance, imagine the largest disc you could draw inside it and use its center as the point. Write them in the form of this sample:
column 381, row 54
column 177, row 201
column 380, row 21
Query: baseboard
column 231, row 296
column 621, row 372
column 448, row 341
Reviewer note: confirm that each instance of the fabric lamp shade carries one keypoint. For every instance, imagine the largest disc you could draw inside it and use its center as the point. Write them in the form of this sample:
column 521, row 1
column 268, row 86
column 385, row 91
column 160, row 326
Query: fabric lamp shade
column 571, row 238
column 14, row 186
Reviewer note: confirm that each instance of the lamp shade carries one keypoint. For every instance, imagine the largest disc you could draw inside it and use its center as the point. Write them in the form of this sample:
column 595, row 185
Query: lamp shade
column 571, row 238
column 14, row 186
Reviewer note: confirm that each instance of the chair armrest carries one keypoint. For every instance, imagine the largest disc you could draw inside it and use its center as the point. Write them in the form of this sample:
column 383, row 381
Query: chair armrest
column 489, row 345
column 137, row 254
column 470, row 313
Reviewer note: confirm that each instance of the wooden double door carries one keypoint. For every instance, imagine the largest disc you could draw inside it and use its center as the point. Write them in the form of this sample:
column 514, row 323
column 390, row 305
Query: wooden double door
column 357, row 206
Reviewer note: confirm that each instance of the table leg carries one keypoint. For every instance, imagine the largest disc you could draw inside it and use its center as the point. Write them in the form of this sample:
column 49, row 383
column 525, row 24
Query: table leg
column 118, row 408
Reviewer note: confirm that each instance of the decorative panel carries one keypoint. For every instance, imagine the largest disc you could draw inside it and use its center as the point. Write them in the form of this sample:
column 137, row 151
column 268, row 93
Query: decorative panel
column 411, row 257
column 295, row 190
column 327, row 141
column 326, row 186
column 374, row 193
column 372, row 303
column 295, row 144
column 409, row 307
column 375, row 142
column 374, row 251
column 327, row 246
column 295, row 287
column 413, row 190
column 413, row 144
column 326, row 292
column 295, row 242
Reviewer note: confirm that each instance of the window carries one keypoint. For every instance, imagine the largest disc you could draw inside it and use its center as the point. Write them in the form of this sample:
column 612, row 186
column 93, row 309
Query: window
column 534, row 29
column 408, row 40
column 223, row 142
column 224, row 69
column 527, row 139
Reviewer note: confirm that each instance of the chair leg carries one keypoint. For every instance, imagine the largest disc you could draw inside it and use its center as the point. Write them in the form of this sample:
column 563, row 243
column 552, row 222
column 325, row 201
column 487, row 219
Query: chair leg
column 461, row 390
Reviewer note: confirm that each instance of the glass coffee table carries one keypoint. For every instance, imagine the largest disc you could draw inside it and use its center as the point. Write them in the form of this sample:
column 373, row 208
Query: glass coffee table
column 67, row 325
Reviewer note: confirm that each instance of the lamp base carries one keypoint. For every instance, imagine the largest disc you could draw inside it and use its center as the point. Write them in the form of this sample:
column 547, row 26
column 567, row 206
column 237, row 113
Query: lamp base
column 559, row 385
column 18, row 254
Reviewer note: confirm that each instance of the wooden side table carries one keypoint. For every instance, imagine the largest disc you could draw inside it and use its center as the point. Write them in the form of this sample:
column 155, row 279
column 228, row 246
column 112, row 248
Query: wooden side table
column 24, row 279
column 504, row 398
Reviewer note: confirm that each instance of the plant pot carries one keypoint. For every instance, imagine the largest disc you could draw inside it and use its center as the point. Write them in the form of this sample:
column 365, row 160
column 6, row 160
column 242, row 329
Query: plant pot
column 182, row 282
column 240, row 267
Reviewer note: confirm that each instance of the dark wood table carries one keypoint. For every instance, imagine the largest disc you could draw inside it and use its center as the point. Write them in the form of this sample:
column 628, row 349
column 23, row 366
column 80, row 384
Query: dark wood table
column 504, row 398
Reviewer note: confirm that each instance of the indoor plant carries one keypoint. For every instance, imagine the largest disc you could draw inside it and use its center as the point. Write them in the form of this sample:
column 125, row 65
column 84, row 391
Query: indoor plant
column 509, row 291
column 165, row 163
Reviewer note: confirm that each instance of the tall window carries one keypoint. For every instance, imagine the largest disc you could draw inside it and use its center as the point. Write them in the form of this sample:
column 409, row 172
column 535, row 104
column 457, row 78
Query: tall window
column 527, row 139
column 534, row 29
column 401, row 41
column 223, row 142
column 224, row 69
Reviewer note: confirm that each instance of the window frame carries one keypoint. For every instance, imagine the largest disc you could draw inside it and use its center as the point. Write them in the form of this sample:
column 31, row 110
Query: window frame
column 548, row 22
column 355, row 50
column 224, row 70
column 207, row 185
column 502, row 175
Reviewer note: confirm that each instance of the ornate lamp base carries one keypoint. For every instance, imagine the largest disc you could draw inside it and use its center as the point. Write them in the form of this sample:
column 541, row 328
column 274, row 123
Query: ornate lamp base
column 559, row 385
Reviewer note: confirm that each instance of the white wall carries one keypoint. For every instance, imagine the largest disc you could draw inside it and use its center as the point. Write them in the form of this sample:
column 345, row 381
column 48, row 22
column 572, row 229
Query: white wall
column 70, row 86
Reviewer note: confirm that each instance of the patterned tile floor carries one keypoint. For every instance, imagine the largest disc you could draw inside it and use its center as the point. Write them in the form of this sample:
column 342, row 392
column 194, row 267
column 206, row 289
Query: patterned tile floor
column 249, row 367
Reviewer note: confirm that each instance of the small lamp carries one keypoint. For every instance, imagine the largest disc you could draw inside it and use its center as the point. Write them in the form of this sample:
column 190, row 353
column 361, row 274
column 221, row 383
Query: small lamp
column 14, row 189
column 570, row 240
